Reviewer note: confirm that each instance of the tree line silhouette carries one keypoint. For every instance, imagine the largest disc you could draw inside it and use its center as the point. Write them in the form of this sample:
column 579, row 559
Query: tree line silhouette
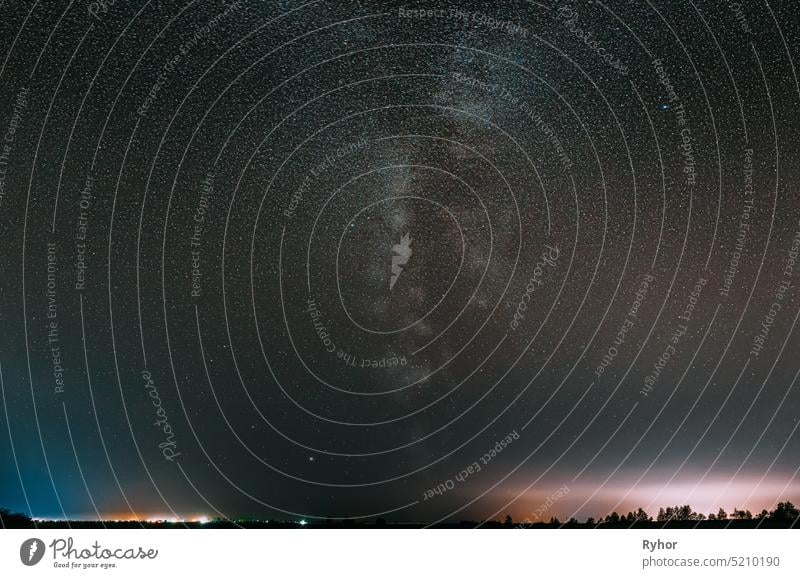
column 785, row 515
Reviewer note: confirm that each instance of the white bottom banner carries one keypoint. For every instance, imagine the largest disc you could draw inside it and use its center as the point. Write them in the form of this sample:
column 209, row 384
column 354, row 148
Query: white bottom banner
column 356, row 553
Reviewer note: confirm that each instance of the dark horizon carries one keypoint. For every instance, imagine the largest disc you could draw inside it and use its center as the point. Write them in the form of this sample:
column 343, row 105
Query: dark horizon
column 784, row 516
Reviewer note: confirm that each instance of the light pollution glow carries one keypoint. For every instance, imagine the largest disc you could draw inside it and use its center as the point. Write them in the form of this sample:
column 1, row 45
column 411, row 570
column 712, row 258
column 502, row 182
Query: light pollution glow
column 586, row 499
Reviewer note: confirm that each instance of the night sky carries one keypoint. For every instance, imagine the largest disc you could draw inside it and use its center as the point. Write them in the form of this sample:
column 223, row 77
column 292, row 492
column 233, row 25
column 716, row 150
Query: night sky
column 423, row 261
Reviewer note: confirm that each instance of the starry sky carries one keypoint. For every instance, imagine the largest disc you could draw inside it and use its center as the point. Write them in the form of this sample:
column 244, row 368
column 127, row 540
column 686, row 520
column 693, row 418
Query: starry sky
column 423, row 261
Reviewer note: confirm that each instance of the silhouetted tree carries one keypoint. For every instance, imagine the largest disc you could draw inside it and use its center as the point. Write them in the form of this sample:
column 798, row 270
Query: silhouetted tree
column 9, row 519
column 785, row 512
column 508, row 521
column 722, row 515
column 671, row 513
column 590, row 521
column 642, row 516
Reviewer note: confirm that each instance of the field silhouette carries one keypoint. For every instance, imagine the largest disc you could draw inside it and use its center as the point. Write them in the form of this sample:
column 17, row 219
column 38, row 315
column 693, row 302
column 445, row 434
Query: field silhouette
column 785, row 515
